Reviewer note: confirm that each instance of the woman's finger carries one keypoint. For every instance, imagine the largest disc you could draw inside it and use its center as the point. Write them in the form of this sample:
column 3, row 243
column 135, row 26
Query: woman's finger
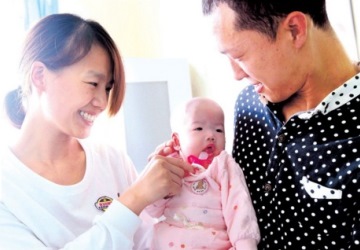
column 164, row 149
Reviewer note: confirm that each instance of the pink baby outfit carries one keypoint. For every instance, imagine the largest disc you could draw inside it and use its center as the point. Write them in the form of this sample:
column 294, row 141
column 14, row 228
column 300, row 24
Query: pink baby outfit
column 213, row 211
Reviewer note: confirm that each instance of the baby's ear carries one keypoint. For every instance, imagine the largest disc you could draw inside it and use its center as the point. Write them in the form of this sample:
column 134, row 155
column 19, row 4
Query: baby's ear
column 37, row 75
column 176, row 141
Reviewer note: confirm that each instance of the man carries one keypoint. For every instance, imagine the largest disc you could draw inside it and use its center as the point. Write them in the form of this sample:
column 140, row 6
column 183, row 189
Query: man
column 297, row 126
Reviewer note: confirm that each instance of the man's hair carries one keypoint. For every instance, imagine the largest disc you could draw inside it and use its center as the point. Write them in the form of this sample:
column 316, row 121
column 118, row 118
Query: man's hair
column 264, row 15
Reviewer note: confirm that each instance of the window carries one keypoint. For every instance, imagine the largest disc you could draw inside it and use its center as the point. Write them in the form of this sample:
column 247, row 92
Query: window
column 15, row 17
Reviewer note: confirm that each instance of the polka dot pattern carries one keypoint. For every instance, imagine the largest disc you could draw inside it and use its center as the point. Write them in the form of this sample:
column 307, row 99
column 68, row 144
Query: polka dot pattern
column 303, row 175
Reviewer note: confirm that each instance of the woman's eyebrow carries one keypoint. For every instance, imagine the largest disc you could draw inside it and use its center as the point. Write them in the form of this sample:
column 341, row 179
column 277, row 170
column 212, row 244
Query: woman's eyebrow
column 98, row 75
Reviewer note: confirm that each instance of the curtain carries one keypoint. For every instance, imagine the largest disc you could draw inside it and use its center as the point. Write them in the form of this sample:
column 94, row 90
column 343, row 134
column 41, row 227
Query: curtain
column 36, row 9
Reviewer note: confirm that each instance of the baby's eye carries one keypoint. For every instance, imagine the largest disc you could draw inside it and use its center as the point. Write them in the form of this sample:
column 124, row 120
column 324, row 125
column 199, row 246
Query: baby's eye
column 219, row 130
column 198, row 129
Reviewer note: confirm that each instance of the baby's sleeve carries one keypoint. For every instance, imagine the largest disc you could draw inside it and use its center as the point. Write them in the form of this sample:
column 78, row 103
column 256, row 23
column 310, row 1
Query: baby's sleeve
column 238, row 210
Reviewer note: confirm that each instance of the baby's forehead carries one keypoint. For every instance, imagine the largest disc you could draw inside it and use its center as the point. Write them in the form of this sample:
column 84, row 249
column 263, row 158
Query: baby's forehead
column 202, row 105
column 197, row 110
column 203, row 116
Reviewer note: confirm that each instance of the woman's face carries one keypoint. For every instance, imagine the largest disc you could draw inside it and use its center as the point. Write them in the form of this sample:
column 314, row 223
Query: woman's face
column 74, row 96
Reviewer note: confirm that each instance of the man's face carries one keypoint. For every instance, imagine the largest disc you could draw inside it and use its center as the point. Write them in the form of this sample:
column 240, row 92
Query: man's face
column 266, row 64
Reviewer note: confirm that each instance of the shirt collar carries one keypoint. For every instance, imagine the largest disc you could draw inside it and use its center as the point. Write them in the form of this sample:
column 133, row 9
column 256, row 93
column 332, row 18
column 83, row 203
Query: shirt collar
column 338, row 97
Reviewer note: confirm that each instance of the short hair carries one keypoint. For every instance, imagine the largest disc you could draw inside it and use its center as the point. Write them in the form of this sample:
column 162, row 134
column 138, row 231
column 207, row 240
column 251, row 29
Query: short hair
column 264, row 15
column 60, row 40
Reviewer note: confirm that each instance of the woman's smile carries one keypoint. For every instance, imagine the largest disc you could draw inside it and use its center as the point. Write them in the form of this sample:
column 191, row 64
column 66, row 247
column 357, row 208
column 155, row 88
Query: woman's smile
column 87, row 117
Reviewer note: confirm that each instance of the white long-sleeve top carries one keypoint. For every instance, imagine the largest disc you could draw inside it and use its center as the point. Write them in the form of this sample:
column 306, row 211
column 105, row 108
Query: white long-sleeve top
column 38, row 214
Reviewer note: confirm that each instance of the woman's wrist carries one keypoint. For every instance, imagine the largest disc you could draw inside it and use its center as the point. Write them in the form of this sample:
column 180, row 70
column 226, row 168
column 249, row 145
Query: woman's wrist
column 134, row 202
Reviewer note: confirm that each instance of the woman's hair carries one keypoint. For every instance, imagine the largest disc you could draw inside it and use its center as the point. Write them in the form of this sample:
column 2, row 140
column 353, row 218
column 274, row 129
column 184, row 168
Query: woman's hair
column 60, row 40
column 264, row 15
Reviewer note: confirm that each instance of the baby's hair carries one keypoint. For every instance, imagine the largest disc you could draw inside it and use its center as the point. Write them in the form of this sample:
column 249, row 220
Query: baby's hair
column 179, row 113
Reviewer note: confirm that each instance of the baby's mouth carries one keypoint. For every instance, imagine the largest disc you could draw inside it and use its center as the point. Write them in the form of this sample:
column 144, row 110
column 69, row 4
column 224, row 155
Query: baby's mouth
column 203, row 155
column 210, row 149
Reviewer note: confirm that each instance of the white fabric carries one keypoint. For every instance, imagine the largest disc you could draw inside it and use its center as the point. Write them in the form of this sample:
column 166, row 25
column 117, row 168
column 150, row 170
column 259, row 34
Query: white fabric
column 36, row 213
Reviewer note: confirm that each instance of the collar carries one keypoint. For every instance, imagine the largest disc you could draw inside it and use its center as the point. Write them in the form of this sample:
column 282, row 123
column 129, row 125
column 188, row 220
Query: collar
column 338, row 97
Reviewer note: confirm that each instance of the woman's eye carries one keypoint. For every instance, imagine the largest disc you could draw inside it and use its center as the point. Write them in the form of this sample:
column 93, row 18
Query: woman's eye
column 93, row 84
column 108, row 89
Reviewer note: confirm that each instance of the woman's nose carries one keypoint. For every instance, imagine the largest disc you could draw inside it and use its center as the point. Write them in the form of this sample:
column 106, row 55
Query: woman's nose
column 100, row 99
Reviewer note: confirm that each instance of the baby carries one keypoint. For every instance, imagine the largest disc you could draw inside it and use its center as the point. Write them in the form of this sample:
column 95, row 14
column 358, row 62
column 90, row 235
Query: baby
column 214, row 209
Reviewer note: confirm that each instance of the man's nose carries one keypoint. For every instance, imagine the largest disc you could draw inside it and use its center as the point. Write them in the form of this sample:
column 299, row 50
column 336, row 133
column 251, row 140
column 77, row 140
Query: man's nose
column 239, row 73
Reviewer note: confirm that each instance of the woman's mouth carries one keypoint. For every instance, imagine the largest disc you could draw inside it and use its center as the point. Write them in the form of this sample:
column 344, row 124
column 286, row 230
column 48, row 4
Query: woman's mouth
column 87, row 117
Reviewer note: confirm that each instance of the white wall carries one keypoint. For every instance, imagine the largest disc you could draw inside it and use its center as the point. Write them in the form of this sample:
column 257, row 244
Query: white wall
column 172, row 29
column 342, row 21
column 166, row 29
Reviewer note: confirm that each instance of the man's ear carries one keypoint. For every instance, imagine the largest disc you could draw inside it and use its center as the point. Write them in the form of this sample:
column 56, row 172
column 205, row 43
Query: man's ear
column 297, row 24
column 176, row 141
column 37, row 75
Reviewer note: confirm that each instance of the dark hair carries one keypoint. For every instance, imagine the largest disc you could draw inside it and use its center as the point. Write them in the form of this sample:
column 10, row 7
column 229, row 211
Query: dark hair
column 60, row 40
column 13, row 108
column 264, row 15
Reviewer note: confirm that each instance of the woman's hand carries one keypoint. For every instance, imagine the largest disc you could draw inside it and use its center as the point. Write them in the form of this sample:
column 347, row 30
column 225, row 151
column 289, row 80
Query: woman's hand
column 162, row 177
column 164, row 149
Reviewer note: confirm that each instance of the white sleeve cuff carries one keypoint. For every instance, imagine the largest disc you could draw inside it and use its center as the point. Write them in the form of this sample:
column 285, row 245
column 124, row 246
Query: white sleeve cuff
column 117, row 216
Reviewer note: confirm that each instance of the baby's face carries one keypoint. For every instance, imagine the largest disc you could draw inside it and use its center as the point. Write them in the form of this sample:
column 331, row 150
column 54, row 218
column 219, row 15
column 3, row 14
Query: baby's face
column 203, row 132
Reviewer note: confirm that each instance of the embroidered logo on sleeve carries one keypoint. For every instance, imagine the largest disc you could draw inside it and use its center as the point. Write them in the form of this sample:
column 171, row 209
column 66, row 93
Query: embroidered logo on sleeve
column 317, row 191
column 103, row 203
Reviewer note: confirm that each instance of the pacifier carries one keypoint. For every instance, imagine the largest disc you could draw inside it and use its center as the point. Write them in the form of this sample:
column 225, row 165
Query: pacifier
column 200, row 163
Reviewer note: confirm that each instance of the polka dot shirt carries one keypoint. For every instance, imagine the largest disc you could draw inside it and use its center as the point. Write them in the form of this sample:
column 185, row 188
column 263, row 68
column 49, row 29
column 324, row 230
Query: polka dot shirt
column 303, row 175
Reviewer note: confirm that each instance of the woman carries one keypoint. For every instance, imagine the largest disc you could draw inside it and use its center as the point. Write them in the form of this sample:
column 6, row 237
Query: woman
column 59, row 189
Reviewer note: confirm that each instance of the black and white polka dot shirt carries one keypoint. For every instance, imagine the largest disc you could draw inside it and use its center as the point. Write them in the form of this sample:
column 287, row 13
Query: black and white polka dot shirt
column 303, row 175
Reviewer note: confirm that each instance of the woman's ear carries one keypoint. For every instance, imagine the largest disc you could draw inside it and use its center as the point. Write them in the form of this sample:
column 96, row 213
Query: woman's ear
column 176, row 141
column 37, row 75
